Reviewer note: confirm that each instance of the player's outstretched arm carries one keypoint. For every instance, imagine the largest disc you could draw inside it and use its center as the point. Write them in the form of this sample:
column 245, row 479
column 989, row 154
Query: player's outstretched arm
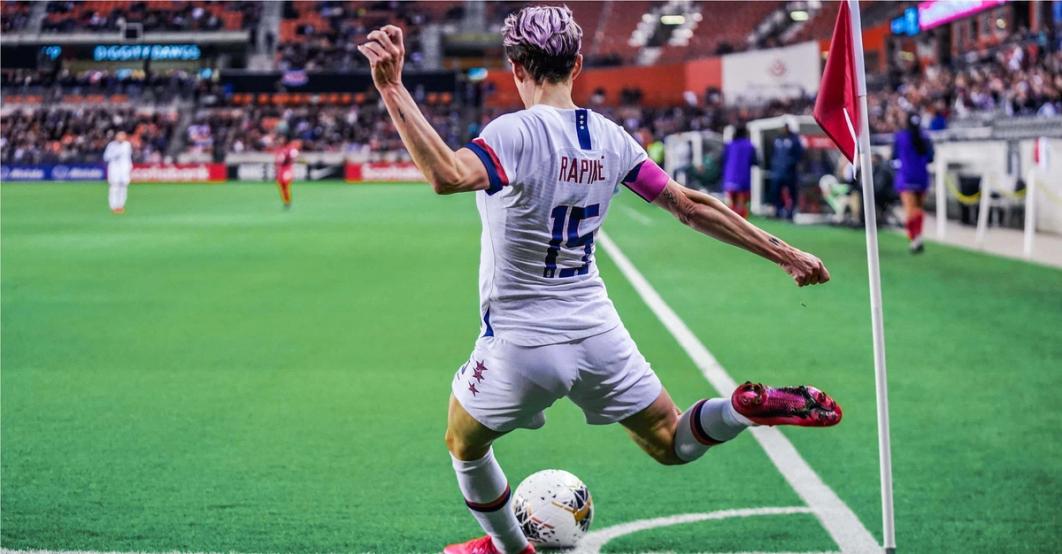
column 446, row 170
column 708, row 215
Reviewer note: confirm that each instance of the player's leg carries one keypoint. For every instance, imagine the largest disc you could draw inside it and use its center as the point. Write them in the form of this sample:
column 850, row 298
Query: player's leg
column 481, row 479
column 123, row 192
column 502, row 387
column 113, row 194
column 674, row 438
column 790, row 191
column 913, row 217
column 616, row 384
column 919, row 218
column 284, row 178
column 741, row 200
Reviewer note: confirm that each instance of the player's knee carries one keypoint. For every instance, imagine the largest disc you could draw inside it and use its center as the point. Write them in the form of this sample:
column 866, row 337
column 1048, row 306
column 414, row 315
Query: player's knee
column 667, row 457
column 664, row 454
column 463, row 449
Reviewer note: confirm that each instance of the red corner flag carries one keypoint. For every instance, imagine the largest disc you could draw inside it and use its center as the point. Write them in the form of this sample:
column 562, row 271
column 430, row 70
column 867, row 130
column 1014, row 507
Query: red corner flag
column 836, row 108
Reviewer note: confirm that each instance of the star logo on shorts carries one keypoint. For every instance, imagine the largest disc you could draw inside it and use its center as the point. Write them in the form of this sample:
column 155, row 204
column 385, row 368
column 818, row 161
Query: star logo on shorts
column 480, row 367
column 477, row 374
column 472, row 388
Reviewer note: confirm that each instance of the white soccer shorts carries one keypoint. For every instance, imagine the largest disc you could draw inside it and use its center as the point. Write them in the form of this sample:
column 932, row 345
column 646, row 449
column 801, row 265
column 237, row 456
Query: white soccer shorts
column 505, row 386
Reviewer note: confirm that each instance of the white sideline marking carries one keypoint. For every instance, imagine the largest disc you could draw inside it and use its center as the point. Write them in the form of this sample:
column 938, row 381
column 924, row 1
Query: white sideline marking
column 595, row 540
column 635, row 215
column 834, row 515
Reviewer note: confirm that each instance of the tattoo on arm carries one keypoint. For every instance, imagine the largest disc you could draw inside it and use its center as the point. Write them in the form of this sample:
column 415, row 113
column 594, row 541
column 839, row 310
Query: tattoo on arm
column 668, row 197
column 774, row 241
column 402, row 116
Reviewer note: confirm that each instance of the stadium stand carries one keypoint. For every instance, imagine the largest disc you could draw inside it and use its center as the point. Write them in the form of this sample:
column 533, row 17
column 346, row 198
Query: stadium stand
column 14, row 16
column 112, row 15
column 729, row 36
column 61, row 134
column 1017, row 77
column 318, row 35
column 186, row 112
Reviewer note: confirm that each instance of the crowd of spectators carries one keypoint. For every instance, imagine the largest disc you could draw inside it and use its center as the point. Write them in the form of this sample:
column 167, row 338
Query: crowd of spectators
column 1019, row 77
column 70, row 15
column 157, row 87
column 79, row 135
column 358, row 132
column 14, row 16
column 329, row 40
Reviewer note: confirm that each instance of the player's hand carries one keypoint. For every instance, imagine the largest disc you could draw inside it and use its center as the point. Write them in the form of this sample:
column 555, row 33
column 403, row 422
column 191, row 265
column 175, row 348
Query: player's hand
column 386, row 53
column 805, row 269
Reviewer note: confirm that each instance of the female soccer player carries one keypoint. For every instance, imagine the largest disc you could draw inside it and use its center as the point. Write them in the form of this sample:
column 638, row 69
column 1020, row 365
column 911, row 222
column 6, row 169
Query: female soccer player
column 285, row 169
column 912, row 151
column 119, row 158
column 738, row 159
column 543, row 179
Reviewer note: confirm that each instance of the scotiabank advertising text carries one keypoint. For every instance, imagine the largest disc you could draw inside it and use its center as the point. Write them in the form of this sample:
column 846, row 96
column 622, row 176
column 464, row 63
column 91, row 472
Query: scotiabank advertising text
column 179, row 173
column 384, row 172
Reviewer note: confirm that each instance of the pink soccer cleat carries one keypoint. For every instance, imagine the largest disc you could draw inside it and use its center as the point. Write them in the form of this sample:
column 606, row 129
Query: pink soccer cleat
column 803, row 406
column 482, row 545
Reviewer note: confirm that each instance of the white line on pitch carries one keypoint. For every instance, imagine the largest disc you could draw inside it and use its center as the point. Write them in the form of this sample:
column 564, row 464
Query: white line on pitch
column 636, row 215
column 836, row 517
column 595, row 540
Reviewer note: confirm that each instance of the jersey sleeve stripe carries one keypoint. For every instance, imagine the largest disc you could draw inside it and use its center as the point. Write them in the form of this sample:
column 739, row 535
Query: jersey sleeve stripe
column 495, row 171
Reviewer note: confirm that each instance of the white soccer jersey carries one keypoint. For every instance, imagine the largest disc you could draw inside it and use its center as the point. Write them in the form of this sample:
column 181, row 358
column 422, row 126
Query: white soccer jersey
column 119, row 157
column 553, row 173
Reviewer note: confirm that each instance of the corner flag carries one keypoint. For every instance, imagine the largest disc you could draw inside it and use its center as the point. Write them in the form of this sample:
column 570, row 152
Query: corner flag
column 835, row 108
column 841, row 111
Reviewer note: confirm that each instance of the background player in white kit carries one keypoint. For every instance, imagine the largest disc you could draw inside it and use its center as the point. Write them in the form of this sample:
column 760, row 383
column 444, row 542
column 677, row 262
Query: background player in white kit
column 545, row 177
column 119, row 158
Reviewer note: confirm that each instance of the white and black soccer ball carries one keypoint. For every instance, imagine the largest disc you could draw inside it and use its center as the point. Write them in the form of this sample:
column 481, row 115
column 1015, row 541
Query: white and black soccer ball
column 554, row 508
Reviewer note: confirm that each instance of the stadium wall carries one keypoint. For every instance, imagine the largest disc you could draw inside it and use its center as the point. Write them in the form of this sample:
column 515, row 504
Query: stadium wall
column 774, row 73
column 661, row 85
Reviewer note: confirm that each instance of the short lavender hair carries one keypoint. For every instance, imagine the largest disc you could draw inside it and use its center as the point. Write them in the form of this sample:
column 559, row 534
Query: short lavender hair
column 545, row 40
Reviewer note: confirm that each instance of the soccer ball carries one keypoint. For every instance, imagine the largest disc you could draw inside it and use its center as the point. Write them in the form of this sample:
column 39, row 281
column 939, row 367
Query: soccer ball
column 554, row 508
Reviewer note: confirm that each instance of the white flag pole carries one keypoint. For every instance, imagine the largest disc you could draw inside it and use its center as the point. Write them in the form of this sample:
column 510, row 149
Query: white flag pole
column 876, row 321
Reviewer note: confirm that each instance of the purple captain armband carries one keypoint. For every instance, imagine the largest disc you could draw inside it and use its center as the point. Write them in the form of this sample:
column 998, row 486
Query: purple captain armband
column 647, row 180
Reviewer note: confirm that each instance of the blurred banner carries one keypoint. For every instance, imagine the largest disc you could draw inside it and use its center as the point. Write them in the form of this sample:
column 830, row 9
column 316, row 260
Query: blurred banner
column 268, row 172
column 179, row 173
column 763, row 75
column 383, row 172
column 58, row 172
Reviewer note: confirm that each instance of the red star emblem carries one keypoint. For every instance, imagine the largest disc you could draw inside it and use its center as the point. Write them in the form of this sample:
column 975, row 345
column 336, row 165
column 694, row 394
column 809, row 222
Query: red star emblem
column 477, row 374
column 480, row 366
column 472, row 388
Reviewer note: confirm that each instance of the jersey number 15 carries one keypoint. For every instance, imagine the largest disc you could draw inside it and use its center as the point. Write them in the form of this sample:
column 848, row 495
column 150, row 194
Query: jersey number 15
column 572, row 215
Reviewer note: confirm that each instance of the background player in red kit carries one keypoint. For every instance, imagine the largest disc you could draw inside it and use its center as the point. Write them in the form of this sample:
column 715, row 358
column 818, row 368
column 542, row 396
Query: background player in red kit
column 285, row 160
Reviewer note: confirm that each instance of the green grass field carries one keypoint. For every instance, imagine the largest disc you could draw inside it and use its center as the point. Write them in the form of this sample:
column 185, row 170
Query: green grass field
column 211, row 373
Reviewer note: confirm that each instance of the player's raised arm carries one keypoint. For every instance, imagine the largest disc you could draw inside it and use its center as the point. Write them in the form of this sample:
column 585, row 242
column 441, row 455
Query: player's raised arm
column 710, row 216
column 447, row 171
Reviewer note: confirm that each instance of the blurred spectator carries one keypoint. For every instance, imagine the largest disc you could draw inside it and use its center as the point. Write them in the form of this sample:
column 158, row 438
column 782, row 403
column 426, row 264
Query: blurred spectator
column 79, row 135
column 139, row 86
column 356, row 131
column 786, row 154
column 738, row 158
column 68, row 16
column 1017, row 77
column 14, row 16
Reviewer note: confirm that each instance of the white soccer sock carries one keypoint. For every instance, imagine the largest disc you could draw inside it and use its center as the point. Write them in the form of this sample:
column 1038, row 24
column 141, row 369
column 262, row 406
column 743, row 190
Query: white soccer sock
column 112, row 196
column 706, row 424
column 487, row 495
column 123, row 193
